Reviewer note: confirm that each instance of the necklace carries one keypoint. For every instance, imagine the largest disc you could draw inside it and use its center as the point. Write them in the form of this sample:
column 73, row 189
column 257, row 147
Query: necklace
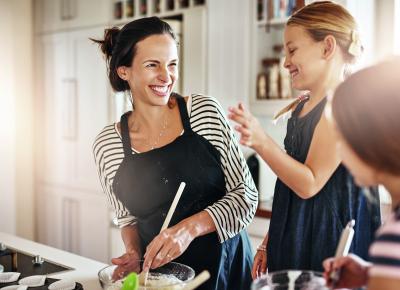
column 154, row 144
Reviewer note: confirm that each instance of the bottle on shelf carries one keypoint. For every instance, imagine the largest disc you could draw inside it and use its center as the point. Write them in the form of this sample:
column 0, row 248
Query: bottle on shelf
column 143, row 7
column 129, row 8
column 183, row 3
column 170, row 5
column 118, row 10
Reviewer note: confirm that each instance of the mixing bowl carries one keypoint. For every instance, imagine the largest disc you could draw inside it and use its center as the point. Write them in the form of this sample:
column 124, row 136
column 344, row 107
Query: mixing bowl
column 182, row 272
column 290, row 280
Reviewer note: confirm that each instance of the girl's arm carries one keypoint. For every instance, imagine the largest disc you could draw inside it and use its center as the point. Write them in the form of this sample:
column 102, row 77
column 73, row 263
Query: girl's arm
column 306, row 179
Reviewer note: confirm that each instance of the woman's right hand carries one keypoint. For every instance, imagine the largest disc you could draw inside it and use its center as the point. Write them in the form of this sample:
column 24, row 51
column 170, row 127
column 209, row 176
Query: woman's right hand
column 250, row 129
column 127, row 263
column 259, row 264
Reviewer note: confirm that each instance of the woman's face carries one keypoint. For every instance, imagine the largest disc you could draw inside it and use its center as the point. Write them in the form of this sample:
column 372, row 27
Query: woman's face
column 154, row 70
column 303, row 58
column 364, row 174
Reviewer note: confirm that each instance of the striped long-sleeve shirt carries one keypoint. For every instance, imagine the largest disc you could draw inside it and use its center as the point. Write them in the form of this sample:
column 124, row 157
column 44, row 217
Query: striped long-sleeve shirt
column 230, row 214
column 385, row 250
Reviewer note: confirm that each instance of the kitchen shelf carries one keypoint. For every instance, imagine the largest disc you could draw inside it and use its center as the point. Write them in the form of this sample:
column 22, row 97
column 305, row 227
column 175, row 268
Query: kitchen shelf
column 162, row 12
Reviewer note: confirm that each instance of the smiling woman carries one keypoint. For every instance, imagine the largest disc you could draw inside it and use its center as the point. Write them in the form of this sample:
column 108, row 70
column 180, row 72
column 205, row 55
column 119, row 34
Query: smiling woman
column 165, row 140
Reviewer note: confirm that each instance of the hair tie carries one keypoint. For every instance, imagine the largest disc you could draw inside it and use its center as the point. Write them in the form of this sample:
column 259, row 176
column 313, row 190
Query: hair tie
column 355, row 48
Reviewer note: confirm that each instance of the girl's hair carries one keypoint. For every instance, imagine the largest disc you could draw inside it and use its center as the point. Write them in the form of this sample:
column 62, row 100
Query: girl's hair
column 324, row 18
column 119, row 45
column 365, row 108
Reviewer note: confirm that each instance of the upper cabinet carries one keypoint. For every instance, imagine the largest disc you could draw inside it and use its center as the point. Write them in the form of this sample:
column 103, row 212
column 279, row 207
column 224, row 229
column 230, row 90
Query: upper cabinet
column 56, row 15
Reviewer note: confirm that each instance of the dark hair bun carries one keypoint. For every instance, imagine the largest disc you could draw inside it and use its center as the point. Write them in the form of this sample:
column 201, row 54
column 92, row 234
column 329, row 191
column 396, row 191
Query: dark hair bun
column 110, row 39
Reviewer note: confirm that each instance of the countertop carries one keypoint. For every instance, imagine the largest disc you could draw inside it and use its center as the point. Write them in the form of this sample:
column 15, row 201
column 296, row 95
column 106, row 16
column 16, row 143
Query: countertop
column 85, row 270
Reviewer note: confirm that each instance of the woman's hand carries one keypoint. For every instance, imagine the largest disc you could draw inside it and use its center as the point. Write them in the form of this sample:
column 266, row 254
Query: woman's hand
column 251, row 132
column 168, row 245
column 127, row 263
column 353, row 271
column 259, row 264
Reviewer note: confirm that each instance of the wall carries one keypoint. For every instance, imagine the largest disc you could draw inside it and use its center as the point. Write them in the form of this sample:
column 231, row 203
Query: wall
column 16, row 118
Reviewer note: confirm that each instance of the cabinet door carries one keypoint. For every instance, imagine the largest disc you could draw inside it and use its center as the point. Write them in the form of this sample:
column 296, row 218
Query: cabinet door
column 88, row 12
column 56, row 15
column 57, row 149
column 74, row 221
column 49, row 218
column 90, row 77
column 75, row 107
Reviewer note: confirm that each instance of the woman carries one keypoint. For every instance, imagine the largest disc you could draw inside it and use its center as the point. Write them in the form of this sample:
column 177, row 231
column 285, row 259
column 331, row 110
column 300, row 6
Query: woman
column 165, row 140
column 365, row 111
column 315, row 196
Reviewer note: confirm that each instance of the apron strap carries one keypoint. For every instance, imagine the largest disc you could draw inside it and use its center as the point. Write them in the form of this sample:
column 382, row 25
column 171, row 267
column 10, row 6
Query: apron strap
column 184, row 114
column 126, row 141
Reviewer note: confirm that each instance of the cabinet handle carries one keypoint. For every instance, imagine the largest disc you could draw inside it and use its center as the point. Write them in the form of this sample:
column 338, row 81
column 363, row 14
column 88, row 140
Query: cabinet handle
column 64, row 10
column 70, row 115
column 72, row 9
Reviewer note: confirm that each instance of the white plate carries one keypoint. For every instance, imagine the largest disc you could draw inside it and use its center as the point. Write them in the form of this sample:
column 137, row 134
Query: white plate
column 8, row 277
column 33, row 281
column 62, row 285
column 15, row 287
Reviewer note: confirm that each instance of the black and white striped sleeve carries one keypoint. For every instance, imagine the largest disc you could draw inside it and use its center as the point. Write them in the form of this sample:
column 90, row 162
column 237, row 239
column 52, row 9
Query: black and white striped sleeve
column 108, row 154
column 237, row 208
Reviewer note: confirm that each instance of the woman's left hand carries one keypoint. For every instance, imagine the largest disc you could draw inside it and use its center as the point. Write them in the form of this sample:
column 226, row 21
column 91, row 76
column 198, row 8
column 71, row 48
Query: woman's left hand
column 168, row 245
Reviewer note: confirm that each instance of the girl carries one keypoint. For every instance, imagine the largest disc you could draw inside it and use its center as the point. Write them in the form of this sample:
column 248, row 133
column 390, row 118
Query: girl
column 164, row 140
column 315, row 196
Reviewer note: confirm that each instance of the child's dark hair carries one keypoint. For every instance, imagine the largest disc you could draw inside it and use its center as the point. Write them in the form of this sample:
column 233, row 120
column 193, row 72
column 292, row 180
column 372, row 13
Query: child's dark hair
column 119, row 45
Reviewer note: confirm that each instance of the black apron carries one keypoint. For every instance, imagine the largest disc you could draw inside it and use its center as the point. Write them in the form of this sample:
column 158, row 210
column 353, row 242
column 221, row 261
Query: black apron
column 146, row 184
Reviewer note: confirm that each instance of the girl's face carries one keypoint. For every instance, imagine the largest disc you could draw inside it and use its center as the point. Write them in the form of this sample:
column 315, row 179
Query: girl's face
column 364, row 174
column 154, row 70
column 304, row 58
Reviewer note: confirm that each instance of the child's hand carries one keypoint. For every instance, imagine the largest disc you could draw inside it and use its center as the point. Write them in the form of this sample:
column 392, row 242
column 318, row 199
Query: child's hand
column 251, row 132
column 259, row 264
column 353, row 271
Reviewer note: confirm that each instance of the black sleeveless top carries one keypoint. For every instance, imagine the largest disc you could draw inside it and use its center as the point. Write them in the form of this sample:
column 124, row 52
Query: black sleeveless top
column 146, row 184
column 303, row 232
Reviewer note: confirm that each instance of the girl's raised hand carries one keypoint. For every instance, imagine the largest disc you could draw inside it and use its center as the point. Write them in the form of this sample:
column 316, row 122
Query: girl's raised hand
column 251, row 132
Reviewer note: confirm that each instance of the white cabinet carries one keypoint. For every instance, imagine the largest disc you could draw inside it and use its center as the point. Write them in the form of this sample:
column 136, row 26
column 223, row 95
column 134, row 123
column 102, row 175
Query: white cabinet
column 54, row 15
column 72, row 98
column 74, row 221
column 75, row 107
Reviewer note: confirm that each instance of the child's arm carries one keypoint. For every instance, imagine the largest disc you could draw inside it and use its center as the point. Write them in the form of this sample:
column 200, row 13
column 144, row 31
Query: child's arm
column 306, row 179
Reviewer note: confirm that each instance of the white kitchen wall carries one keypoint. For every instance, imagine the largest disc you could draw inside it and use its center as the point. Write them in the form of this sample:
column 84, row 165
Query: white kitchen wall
column 16, row 121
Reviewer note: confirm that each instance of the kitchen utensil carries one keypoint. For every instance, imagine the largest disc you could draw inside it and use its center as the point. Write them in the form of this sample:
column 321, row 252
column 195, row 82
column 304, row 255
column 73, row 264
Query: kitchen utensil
column 131, row 282
column 283, row 280
column 144, row 274
column 343, row 249
column 182, row 272
column 196, row 282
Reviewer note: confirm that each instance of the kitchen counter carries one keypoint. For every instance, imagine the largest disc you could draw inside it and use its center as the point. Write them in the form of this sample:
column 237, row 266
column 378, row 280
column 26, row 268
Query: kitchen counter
column 85, row 270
